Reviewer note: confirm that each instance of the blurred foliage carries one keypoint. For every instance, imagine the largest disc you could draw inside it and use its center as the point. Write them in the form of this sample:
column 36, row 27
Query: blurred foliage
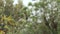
column 42, row 18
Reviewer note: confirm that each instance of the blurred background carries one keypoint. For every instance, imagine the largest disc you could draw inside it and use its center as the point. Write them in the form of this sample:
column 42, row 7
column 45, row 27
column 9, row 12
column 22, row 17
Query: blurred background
column 29, row 16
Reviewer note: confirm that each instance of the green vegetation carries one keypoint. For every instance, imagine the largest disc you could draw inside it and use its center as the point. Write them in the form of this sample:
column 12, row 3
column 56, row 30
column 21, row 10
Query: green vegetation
column 42, row 18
